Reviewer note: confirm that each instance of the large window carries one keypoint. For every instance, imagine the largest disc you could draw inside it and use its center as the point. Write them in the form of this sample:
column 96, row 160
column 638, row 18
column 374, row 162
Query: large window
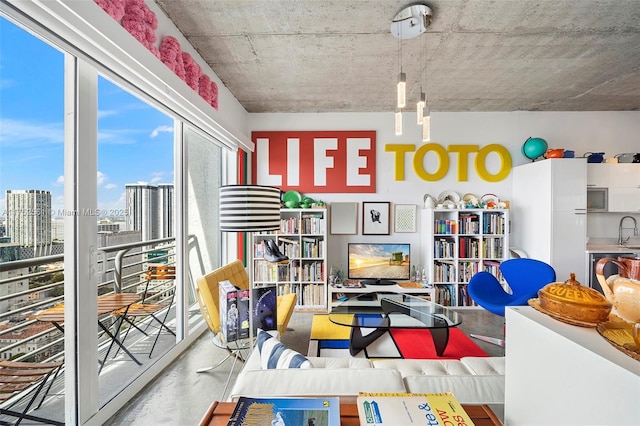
column 31, row 196
column 136, row 204
column 132, row 200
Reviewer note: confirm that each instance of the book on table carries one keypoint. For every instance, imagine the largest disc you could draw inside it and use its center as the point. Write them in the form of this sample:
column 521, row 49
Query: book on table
column 286, row 411
column 352, row 284
column 408, row 409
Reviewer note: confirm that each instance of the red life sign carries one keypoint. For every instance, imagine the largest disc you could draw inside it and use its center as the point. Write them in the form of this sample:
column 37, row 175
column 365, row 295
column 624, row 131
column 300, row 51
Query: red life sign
column 316, row 161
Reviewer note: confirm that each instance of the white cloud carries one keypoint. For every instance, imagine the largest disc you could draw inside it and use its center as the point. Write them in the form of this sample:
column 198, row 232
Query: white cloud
column 59, row 181
column 106, row 113
column 159, row 129
column 101, row 178
column 23, row 133
column 110, row 186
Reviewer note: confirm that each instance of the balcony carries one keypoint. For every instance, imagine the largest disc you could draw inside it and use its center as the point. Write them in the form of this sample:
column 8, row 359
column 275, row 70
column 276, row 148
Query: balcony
column 31, row 286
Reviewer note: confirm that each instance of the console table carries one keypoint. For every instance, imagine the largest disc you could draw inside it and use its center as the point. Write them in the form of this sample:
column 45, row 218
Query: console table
column 219, row 412
column 560, row 374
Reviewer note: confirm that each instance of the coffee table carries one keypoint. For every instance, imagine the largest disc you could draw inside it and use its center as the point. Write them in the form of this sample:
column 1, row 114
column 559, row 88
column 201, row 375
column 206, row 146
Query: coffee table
column 383, row 311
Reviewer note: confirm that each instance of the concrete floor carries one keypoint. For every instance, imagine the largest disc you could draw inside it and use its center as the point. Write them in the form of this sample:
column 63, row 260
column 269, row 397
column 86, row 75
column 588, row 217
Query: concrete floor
column 180, row 396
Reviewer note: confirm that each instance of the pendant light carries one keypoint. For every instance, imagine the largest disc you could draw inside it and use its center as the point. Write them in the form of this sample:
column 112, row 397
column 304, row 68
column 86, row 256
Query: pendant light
column 426, row 125
column 401, row 88
column 411, row 21
column 398, row 125
column 420, row 106
column 423, row 97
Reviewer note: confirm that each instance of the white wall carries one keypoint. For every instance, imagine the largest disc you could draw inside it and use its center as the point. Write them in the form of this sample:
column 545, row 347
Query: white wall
column 609, row 132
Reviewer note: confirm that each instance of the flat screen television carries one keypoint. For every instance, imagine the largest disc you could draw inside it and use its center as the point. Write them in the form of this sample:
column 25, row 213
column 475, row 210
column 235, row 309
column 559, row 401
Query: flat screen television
column 379, row 263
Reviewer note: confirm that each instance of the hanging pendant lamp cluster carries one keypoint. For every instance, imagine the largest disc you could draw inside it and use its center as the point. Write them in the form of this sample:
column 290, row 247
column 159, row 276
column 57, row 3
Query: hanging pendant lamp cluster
column 410, row 22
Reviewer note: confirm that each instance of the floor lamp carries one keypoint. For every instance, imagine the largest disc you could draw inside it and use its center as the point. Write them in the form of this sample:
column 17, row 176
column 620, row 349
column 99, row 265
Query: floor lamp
column 246, row 208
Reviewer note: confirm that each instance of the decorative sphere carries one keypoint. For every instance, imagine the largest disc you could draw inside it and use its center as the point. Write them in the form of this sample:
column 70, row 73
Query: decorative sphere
column 533, row 148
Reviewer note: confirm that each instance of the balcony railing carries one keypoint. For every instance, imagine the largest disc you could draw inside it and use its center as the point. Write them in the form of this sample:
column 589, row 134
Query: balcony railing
column 36, row 284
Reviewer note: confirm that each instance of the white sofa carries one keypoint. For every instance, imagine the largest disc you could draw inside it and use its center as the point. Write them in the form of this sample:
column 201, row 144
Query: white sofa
column 473, row 380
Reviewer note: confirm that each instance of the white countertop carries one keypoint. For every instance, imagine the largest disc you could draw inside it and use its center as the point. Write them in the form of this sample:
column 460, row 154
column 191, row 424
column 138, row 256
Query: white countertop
column 611, row 248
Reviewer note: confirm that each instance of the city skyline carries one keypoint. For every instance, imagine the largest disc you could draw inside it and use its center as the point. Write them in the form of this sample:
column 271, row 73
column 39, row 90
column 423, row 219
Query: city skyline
column 135, row 140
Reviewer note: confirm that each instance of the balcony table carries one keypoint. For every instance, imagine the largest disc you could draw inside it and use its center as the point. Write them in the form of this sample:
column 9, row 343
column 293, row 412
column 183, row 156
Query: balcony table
column 107, row 304
column 219, row 413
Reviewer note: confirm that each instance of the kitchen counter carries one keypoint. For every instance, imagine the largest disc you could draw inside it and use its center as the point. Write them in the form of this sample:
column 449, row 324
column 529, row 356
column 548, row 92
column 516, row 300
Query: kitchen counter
column 612, row 248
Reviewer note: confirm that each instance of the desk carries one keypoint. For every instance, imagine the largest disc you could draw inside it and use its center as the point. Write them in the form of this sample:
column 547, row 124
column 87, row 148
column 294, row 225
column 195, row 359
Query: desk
column 107, row 303
column 219, row 412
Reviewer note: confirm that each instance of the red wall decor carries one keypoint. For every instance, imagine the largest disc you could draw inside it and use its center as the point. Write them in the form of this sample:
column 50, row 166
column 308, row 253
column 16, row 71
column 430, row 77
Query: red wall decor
column 315, row 161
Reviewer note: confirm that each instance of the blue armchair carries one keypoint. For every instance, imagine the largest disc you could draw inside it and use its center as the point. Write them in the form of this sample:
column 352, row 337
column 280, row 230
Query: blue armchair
column 524, row 276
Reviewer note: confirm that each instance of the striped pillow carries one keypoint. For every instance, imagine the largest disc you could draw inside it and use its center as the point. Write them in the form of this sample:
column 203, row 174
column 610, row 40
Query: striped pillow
column 273, row 354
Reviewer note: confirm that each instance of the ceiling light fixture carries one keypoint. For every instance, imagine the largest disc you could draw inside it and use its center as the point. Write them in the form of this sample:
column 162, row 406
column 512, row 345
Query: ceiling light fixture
column 423, row 97
column 426, row 125
column 410, row 22
column 398, row 122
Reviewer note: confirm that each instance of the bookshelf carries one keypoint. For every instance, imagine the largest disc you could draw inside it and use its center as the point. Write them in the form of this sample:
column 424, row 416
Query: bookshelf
column 302, row 237
column 460, row 243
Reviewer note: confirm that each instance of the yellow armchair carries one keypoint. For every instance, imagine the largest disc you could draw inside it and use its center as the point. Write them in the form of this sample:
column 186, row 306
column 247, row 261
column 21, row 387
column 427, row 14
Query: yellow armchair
column 235, row 273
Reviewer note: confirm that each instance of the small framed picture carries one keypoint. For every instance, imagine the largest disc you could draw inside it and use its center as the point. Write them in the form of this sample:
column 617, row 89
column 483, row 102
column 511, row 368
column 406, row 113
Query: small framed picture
column 405, row 218
column 375, row 218
column 344, row 218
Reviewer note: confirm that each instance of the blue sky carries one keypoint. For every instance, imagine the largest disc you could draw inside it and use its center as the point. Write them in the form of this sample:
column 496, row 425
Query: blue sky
column 135, row 140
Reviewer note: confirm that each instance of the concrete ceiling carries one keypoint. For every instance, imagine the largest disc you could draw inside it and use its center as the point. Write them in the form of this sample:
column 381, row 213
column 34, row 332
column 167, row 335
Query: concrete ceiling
column 477, row 55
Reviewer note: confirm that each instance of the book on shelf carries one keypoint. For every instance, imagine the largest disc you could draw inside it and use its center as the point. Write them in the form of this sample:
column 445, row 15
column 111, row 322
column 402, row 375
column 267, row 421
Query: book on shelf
column 405, row 409
column 286, row 411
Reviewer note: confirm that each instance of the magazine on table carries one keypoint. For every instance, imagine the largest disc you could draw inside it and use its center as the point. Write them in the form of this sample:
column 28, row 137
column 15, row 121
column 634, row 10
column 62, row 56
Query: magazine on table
column 286, row 412
column 352, row 284
column 409, row 409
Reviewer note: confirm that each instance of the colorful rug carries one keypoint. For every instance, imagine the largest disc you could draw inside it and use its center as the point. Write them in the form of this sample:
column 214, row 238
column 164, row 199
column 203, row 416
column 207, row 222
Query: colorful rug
column 332, row 340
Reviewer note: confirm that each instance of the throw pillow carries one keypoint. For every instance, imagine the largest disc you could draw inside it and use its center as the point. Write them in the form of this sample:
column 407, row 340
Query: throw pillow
column 274, row 354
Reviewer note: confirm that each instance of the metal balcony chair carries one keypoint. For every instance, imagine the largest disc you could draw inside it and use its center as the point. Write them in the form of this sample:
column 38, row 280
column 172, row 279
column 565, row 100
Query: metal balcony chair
column 20, row 379
column 523, row 275
column 154, row 311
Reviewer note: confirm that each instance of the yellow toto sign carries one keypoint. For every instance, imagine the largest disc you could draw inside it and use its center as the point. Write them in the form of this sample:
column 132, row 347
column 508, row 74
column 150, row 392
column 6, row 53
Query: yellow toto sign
column 442, row 153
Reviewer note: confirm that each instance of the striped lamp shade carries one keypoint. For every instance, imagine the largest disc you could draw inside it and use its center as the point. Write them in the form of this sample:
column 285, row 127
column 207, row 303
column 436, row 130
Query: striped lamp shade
column 249, row 208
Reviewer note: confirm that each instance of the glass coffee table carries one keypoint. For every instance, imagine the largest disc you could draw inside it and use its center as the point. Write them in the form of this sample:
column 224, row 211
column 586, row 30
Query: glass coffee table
column 384, row 311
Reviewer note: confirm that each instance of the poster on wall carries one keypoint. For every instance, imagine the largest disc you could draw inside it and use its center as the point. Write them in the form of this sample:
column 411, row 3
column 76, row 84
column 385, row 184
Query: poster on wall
column 375, row 218
column 405, row 218
column 316, row 161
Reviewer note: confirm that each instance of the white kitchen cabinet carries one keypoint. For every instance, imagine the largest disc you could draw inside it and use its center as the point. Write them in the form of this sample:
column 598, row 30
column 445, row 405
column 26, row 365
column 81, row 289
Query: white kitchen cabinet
column 549, row 212
column 624, row 188
column 598, row 175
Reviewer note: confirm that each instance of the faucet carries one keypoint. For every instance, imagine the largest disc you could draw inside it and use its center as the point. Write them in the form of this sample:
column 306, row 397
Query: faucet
column 620, row 228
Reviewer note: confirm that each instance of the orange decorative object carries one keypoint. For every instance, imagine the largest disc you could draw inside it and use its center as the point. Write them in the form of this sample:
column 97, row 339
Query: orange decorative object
column 575, row 302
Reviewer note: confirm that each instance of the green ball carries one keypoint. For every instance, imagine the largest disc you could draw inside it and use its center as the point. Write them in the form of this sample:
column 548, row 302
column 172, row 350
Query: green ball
column 533, row 148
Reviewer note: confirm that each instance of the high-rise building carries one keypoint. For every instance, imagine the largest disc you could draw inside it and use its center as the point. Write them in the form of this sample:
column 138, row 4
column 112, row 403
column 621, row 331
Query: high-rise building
column 165, row 210
column 150, row 210
column 29, row 219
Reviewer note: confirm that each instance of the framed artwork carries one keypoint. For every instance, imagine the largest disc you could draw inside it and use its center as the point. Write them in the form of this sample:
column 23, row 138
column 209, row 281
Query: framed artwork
column 344, row 218
column 405, row 218
column 375, row 218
